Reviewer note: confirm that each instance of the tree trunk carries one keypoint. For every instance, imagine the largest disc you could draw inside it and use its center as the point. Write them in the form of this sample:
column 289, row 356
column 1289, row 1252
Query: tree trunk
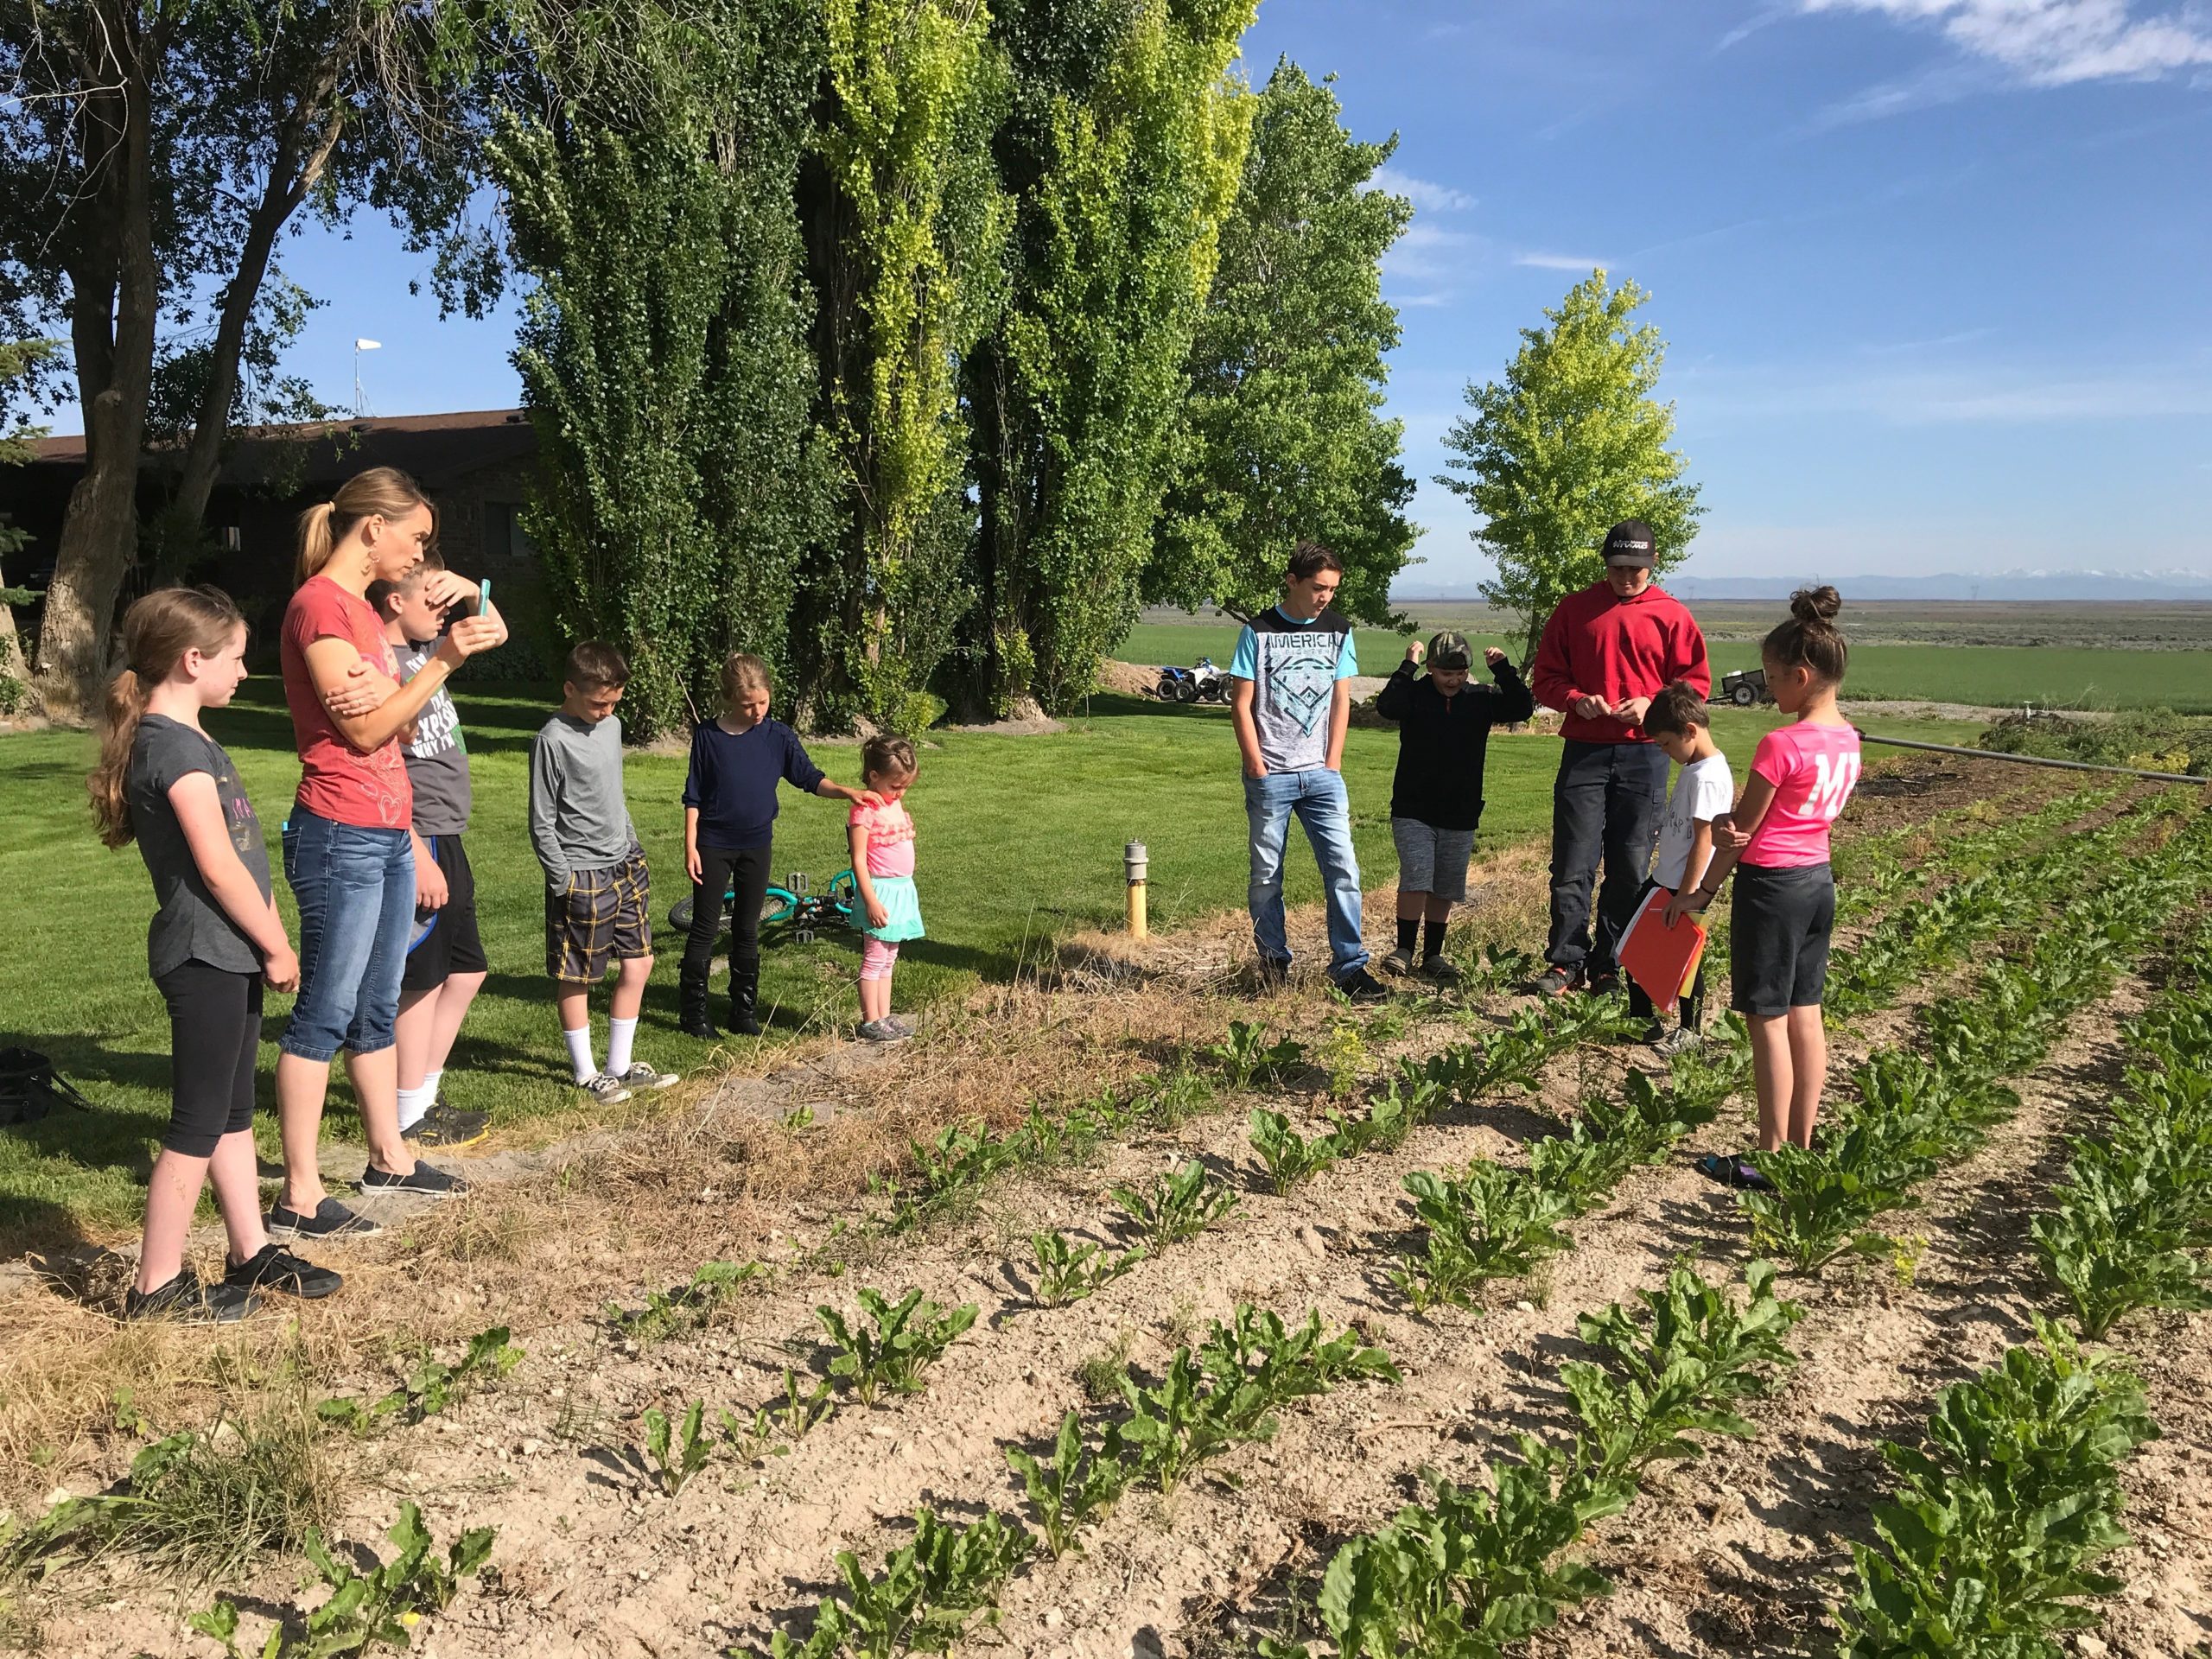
column 114, row 291
column 302, row 151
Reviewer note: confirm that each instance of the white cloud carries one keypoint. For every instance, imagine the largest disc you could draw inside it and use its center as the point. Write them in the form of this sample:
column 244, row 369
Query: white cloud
column 1994, row 395
column 1425, row 194
column 2055, row 42
column 1574, row 262
column 1429, row 254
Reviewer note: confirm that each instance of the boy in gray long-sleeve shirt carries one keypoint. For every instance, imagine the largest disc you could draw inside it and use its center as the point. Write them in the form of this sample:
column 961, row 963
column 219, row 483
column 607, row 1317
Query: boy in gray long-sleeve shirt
column 598, row 893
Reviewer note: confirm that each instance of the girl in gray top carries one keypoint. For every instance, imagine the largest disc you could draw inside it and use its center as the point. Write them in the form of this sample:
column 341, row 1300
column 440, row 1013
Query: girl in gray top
column 216, row 940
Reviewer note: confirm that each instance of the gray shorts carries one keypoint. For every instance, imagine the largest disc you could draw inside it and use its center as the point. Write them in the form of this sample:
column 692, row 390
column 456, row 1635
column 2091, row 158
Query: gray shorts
column 1431, row 859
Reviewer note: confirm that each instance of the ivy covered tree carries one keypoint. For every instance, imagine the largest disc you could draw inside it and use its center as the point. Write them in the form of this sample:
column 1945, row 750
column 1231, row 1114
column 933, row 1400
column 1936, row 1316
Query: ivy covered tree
column 904, row 222
column 1122, row 151
column 1568, row 444
column 662, row 350
column 1281, row 438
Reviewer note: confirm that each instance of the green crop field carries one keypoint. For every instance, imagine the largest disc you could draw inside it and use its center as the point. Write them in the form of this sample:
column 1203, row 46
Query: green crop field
column 2176, row 675
column 1020, row 840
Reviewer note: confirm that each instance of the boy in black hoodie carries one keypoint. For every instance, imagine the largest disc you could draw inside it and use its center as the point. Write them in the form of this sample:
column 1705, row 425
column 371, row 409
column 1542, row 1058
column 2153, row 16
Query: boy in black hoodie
column 1436, row 799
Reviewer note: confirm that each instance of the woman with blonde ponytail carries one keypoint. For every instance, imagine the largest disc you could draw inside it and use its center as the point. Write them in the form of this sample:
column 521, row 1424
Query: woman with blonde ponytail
column 216, row 940
column 347, row 850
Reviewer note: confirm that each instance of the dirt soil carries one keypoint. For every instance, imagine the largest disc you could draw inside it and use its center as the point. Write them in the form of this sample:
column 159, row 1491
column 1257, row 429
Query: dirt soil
column 1736, row 1554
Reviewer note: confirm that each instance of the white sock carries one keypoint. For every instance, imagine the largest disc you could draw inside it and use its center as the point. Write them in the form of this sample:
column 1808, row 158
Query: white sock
column 434, row 1081
column 580, row 1053
column 618, row 1035
column 413, row 1102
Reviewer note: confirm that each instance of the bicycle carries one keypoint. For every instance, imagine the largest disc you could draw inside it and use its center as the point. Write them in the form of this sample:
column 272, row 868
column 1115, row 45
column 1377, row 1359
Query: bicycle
column 797, row 906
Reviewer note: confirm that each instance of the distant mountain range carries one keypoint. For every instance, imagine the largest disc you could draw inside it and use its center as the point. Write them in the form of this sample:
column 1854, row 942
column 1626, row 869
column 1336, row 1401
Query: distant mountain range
column 2045, row 587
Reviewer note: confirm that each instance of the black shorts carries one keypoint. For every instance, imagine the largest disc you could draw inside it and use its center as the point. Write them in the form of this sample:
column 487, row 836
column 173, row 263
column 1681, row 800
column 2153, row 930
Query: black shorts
column 1778, row 938
column 214, row 1039
column 445, row 941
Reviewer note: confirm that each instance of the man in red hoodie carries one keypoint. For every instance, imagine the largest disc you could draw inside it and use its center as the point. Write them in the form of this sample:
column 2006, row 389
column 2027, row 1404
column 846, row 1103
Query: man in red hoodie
column 1605, row 653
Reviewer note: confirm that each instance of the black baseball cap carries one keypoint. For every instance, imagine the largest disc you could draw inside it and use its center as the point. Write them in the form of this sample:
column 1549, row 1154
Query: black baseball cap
column 1629, row 543
column 1450, row 649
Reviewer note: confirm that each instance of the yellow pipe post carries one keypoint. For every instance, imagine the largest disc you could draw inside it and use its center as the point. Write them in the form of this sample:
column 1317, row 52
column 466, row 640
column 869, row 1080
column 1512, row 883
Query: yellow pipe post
column 1133, row 865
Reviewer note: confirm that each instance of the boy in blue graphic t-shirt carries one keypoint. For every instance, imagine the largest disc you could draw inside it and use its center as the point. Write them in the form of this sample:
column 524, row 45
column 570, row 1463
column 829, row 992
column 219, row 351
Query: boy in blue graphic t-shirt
column 1290, row 706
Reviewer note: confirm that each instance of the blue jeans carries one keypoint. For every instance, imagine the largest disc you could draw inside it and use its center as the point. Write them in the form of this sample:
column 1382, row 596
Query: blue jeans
column 1317, row 797
column 1608, row 800
column 356, row 890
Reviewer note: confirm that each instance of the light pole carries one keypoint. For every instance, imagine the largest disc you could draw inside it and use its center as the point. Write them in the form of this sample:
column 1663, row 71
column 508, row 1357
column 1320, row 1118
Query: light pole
column 360, row 345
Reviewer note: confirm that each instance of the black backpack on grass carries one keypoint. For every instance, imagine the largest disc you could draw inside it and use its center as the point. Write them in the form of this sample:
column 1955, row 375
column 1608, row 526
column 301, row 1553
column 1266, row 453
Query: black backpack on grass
column 30, row 1087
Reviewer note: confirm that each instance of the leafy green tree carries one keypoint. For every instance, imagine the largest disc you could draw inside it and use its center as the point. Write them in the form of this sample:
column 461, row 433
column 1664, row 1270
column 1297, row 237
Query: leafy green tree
column 17, row 444
column 151, row 147
column 905, row 224
column 1282, row 437
column 662, row 350
column 1123, row 150
column 1571, row 442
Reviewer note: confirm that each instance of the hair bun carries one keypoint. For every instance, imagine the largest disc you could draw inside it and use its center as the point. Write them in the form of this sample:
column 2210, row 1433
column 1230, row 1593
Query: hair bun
column 1816, row 604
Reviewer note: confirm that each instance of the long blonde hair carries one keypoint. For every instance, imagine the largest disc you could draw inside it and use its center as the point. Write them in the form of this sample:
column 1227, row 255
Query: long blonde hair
column 158, row 630
column 381, row 491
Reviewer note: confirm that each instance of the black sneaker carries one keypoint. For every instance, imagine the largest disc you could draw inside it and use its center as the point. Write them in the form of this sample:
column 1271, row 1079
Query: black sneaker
column 1360, row 986
column 430, row 1183
column 273, row 1268
column 185, row 1299
column 331, row 1219
column 446, row 1126
column 1654, row 1034
column 1555, row 981
column 1436, row 968
column 1603, row 984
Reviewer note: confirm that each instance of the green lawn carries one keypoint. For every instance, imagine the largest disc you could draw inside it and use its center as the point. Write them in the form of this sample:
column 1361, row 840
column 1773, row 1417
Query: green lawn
column 2003, row 675
column 1020, row 839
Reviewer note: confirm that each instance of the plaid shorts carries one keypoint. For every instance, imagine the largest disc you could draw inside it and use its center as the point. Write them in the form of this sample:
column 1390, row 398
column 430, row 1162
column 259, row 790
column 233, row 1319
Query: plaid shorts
column 600, row 916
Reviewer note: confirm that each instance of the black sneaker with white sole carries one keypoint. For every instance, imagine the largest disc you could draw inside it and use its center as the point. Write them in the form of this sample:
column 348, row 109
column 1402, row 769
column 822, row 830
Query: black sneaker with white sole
column 1555, row 981
column 187, row 1301
column 423, row 1179
column 448, row 1127
column 1360, row 986
column 331, row 1219
column 273, row 1268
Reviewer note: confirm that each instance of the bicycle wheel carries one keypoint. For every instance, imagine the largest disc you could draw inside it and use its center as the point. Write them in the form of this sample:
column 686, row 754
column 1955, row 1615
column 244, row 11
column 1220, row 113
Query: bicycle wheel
column 778, row 905
column 843, row 893
column 679, row 915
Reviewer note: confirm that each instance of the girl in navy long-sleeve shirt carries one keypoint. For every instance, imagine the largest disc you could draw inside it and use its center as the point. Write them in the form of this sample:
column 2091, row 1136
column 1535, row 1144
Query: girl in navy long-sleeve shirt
column 730, row 820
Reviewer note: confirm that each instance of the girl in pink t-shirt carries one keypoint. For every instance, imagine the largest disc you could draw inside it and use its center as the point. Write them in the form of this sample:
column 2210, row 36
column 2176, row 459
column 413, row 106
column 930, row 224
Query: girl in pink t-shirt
column 1784, row 907
column 882, row 838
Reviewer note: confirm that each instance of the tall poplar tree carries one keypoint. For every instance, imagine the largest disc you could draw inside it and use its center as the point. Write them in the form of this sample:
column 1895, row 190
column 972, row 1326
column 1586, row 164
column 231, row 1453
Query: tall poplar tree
column 904, row 222
column 1123, row 151
column 1281, row 438
column 663, row 348
column 1569, row 443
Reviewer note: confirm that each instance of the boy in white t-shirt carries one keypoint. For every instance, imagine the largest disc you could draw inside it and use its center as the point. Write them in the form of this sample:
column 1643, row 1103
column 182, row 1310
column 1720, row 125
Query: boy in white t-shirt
column 1704, row 789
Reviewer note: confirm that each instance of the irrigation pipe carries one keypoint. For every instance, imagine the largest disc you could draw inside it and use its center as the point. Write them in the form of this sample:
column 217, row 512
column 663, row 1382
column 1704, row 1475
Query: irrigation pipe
column 2035, row 760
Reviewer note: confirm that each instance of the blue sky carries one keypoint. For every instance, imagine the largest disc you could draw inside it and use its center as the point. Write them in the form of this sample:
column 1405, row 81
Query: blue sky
column 1933, row 272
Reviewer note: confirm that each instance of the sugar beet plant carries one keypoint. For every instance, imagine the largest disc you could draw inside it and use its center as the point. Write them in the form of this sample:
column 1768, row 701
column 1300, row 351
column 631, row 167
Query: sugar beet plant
column 1178, row 1204
column 2128, row 1226
column 1472, row 1570
column 1070, row 1272
column 430, row 1387
column 888, row 1352
column 1991, row 1539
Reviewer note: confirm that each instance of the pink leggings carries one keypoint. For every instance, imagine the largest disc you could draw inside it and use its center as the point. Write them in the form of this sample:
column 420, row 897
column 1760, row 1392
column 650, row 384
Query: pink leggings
column 878, row 957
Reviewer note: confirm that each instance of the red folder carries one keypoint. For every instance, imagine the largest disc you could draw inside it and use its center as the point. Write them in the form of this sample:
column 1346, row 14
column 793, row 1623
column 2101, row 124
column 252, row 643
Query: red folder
column 1661, row 959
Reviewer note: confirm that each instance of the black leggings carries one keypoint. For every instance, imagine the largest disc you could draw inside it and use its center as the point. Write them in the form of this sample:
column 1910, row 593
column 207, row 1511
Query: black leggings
column 214, row 1040
column 747, row 870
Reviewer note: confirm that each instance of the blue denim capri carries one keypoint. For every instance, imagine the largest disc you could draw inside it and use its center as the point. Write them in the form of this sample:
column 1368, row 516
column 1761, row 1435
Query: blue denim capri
column 356, row 892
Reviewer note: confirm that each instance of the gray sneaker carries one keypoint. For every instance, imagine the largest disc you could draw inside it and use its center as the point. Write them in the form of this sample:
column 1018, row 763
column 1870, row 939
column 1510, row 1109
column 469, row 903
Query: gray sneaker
column 642, row 1075
column 604, row 1089
column 1400, row 961
column 880, row 1031
column 1681, row 1040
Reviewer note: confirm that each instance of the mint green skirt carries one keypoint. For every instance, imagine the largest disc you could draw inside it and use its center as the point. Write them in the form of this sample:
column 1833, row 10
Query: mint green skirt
column 902, row 909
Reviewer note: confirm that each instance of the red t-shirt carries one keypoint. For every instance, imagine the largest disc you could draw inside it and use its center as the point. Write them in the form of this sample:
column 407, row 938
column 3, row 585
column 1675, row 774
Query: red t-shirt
column 337, row 781
column 1598, row 645
column 1814, row 769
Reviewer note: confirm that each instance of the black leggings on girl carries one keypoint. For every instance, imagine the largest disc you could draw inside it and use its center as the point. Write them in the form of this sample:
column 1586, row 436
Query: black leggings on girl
column 747, row 870
column 214, row 1039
